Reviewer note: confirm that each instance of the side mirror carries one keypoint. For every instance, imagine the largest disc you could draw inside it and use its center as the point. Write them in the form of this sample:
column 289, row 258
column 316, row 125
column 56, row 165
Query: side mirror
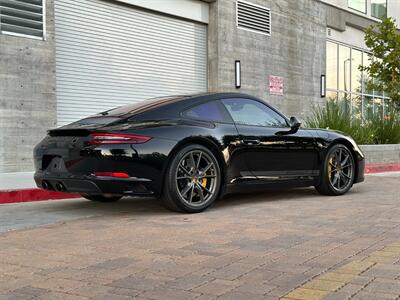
column 294, row 124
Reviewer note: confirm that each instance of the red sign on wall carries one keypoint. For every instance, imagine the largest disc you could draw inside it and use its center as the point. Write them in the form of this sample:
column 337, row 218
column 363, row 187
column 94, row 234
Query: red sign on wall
column 275, row 85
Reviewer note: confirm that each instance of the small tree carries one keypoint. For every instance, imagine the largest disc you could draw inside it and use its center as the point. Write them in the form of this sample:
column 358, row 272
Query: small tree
column 383, row 40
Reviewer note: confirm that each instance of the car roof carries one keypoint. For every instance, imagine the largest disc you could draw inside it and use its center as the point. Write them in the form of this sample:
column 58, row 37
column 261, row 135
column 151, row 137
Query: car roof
column 158, row 102
column 177, row 104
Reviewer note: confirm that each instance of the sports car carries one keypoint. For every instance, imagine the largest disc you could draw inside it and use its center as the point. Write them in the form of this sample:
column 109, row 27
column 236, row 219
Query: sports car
column 191, row 150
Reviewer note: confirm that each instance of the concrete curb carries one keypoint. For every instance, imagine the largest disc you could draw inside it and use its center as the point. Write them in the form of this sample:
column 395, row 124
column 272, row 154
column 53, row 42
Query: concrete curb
column 28, row 195
column 35, row 194
column 380, row 168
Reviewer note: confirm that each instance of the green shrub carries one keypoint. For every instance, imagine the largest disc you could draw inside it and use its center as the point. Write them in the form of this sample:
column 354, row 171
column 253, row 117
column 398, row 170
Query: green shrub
column 374, row 130
column 387, row 130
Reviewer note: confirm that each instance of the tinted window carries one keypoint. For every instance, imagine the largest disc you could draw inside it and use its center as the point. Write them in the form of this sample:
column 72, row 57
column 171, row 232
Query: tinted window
column 142, row 106
column 251, row 112
column 210, row 111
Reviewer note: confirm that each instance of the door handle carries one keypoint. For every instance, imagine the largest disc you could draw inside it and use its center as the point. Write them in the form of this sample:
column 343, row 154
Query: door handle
column 251, row 142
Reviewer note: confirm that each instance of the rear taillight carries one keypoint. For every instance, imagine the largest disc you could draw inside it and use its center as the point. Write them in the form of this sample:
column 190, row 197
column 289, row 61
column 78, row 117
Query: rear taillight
column 116, row 138
column 112, row 174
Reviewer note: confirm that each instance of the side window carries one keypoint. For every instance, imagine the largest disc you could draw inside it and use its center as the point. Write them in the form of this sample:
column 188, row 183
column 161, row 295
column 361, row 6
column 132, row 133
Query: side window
column 251, row 112
column 209, row 111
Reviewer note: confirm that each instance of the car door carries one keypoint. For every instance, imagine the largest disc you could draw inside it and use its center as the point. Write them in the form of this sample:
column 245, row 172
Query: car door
column 270, row 150
column 224, row 133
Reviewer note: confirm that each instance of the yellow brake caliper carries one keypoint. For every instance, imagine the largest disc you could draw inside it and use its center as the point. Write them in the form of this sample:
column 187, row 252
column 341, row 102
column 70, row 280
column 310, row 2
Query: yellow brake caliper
column 330, row 162
column 204, row 182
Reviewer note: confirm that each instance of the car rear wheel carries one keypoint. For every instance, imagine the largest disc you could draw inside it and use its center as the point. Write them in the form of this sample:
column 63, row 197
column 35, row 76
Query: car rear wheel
column 193, row 180
column 101, row 198
column 338, row 171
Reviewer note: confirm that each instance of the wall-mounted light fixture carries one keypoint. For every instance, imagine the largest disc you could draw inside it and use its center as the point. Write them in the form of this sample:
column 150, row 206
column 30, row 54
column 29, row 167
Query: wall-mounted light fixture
column 323, row 86
column 238, row 79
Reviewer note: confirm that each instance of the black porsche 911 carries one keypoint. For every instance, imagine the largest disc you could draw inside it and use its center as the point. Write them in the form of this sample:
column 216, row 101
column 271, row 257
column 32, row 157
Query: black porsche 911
column 190, row 150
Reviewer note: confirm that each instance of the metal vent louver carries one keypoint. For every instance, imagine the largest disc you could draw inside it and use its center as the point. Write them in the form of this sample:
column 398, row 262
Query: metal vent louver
column 22, row 17
column 253, row 17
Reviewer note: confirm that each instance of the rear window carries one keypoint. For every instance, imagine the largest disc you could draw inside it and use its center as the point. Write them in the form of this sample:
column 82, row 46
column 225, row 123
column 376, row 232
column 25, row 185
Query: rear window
column 142, row 106
column 91, row 122
column 95, row 121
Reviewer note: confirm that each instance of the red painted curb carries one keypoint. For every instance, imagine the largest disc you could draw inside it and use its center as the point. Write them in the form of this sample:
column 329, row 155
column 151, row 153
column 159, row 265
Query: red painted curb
column 380, row 168
column 27, row 195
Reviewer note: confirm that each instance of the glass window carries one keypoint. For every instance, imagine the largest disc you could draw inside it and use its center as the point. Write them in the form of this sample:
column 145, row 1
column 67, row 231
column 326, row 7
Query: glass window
column 368, row 104
column 376, row 81
column 360, row 5
column 356, row 101
column 142, row 106
column 379, row 8
column 356, row 61
column 252, row 112
column 386, row 108
column 344, row 101
column 352, row 89
column 378, row 106
column 367, row 58
column 209, row 111
column 331, row 96
column 344, row 68
column 331, row 65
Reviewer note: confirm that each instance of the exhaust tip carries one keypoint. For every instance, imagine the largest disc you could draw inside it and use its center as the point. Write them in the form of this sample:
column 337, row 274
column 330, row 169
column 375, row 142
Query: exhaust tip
column 60, row 187
column 46, row 185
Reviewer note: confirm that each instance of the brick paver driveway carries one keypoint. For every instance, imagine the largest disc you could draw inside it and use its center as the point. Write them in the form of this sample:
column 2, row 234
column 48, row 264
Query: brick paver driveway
column 296, row 245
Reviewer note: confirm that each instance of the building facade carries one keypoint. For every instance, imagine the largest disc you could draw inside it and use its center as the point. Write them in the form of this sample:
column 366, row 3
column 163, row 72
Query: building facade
column 62, row 60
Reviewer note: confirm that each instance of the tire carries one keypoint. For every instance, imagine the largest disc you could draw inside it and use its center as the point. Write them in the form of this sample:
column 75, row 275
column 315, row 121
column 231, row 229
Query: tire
column 192, row 181
column 101, row 198
column 337, row 179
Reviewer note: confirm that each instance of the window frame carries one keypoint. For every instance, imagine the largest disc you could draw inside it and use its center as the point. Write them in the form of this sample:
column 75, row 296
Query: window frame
column 262, row 103
column 227, row 118
column 375, row 17
column 16, row 34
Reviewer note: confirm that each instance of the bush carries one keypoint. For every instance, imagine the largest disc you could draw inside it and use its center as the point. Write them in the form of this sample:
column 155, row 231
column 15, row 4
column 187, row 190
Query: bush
column 374, row 130
column 386, row 130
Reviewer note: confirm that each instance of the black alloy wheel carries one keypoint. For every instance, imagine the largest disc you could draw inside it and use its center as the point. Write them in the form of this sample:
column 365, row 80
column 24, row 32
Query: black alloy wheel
column 193, row 180
column 338, row 171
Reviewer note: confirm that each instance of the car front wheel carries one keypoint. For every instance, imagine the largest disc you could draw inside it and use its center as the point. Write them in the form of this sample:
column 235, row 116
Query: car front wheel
column 193, row 180
column 338, row 171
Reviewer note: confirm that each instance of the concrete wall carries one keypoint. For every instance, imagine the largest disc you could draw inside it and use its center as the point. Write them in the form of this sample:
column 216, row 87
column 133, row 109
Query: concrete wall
column 295, row 50
column 27, row 95
column 381, row 154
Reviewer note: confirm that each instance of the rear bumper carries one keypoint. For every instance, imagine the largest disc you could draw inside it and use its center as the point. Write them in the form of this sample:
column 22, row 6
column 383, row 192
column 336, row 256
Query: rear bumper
column 93, row 185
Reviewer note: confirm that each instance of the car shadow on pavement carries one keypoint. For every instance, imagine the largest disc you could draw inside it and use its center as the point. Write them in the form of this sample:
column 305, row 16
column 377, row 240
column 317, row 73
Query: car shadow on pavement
column 267, row 196
column 154, row 207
